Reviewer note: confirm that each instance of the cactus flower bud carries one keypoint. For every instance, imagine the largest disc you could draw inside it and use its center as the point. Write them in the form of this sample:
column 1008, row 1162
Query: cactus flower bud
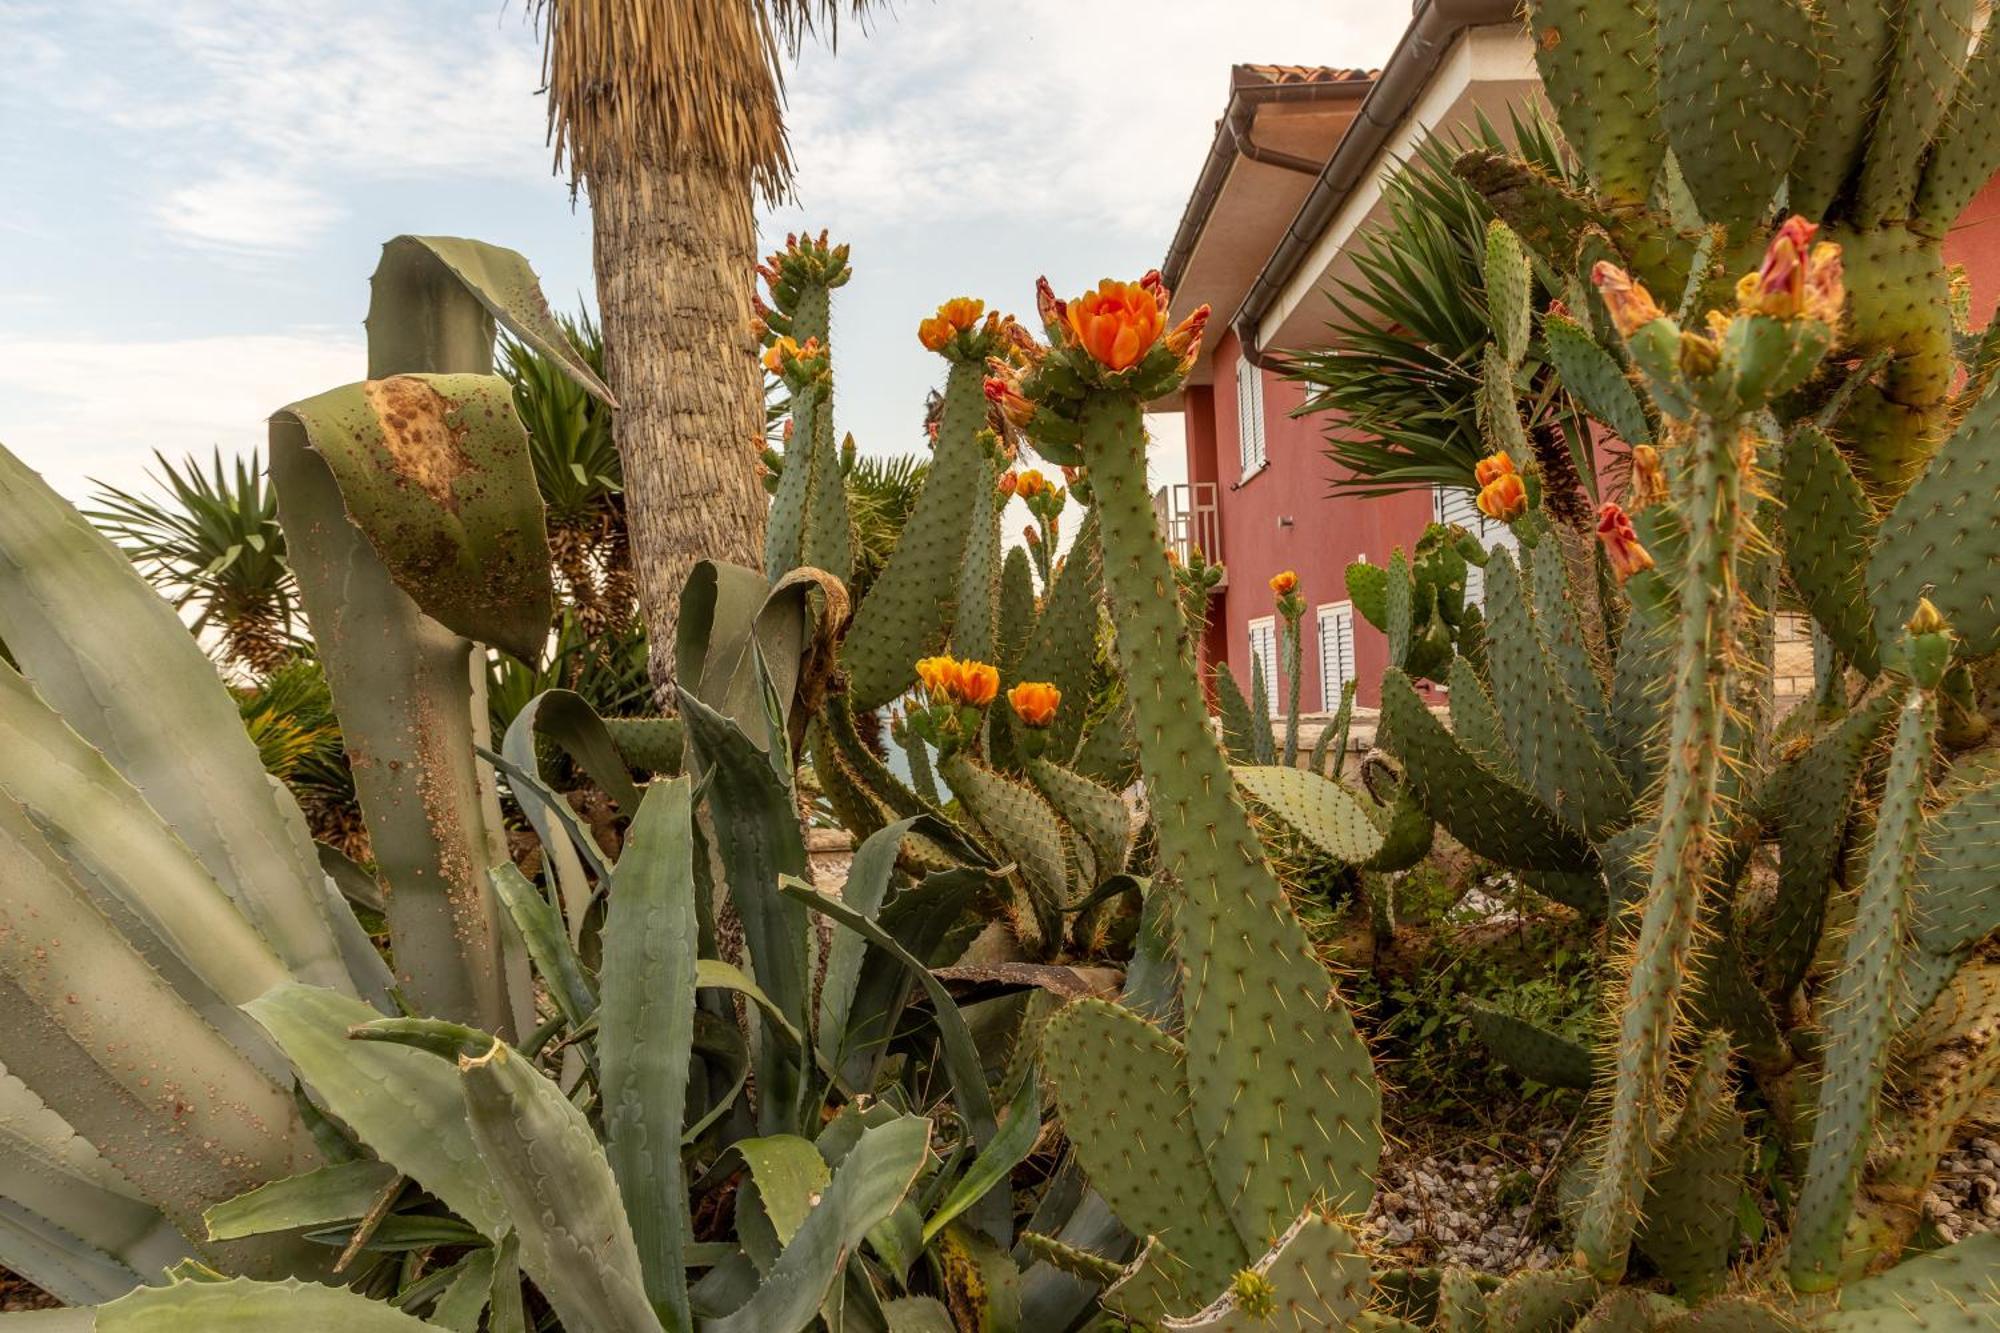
column 1035, row 702
column 1185, row 337
column 1003, row 390
column 1031, row 483
column 1009, row 483
column 779, row 352
column 1491, row 468
column 1284, row 582
column 1504, row 499
column 1632, row 307
column 1927, row 620
column 1118, row 323
column 1054, row 313
column 1621, row 544
column 1649, row 479
column 1698, row 356
column 1031, row 536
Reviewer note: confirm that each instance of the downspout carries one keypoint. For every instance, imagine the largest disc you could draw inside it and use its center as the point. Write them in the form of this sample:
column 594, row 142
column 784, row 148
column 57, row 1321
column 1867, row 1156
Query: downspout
column 1436, row 24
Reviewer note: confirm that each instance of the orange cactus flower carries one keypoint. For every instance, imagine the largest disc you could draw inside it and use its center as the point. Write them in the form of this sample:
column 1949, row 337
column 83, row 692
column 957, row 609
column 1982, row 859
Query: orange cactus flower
column 1009, row 483
column 952, row 318
column 937, row 674
column 1632, row 307
column 779, row 352
column 978, row 683
column 1504, row 499
column 1173, row 557
column 1649, row 479
column 1118, row 323
column 1621, row 543
column 1284, row 583
column 1035, row 702
column 1031, row 483
column 1492, row 467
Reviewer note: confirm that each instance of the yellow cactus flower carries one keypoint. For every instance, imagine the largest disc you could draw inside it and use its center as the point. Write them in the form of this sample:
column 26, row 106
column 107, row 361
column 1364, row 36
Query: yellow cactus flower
column 1035, row 702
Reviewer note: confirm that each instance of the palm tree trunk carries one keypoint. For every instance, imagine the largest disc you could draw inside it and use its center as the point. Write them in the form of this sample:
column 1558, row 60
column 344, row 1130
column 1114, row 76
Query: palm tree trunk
column 675, row 250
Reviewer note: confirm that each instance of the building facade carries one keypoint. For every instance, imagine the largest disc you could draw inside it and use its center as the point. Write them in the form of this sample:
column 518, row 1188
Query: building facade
column 1295, row 173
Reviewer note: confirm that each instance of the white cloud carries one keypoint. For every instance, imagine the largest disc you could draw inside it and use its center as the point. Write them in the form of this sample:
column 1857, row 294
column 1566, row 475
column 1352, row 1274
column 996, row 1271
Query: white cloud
column 242, row 209
column 1071, row 111
column 82, row 409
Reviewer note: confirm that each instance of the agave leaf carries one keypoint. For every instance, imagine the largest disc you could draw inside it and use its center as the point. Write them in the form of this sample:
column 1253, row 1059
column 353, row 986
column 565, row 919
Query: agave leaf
column 871, row 1181
column 646, row 1031
column 403, row 686
column 404, row 1104
column 238, row 1305
column 119, row 666
column 337, row 1193
column 996, row 1161
column 867, row 885
column 69, row 1222
column 87, row 1018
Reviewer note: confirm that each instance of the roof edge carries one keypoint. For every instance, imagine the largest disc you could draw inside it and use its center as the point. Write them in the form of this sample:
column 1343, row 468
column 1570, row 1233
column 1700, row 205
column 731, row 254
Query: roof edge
column 1433, row 29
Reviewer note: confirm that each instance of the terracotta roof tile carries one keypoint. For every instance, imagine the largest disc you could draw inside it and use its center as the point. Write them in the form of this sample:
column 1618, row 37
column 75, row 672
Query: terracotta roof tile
column 1299, row 74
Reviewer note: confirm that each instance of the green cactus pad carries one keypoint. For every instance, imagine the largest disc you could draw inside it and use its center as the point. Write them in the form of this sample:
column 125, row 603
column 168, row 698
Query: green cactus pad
column 652, row 744
column 1016, row 625
column 1319, row 809
column 1947, row 1060
column 1951, row 1288
column 1399, row 605
column 1737, row 81
column 1490, row 815
column 829, row 539
column 907, row 614
column 1812, row 794
column 1473, row 721
column 1064, row 646
column 1021, row 824
column 975, row 634
column 1407, row 831
column 1941, row 536
column 1734, row 1314
column 1509, row 291
column 1597, row 67
column 785, row 528
column 1239, row 724
column 1854, row 43
column 1594, row 378
column 1560, row 625
column 1368, row 589
column 1282, row 1090
column 1690, row 1228
column 1312, row 1279
column 1531, row 1051
column 1957, row 898
column 1097, row 813
column 1461, row 1302
column 1539, row 1301
column 1544, row 725
column 1968, row 152
column 1861, row 1011
column 1925, row 71
column 1154, row 1285
column 1829, row 528
column 1121, row 1086
column 1628, row 1310
column 1107, row 755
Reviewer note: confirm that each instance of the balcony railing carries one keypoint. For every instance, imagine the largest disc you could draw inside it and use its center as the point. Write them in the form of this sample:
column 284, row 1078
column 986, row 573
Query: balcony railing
column 1189, row 519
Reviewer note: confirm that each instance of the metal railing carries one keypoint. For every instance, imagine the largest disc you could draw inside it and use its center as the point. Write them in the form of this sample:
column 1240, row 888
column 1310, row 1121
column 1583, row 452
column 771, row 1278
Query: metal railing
column 1190, row 520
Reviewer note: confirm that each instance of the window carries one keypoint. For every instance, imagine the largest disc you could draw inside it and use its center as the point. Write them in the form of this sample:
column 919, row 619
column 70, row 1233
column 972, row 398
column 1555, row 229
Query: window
column 1249, row 418
column 1264, row 658
column 1336, row 651
column 1454, row 504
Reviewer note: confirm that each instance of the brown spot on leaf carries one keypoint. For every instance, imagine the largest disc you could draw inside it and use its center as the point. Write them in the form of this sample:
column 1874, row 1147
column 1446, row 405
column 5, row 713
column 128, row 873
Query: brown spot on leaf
column 1551, row 38
column 425, row 446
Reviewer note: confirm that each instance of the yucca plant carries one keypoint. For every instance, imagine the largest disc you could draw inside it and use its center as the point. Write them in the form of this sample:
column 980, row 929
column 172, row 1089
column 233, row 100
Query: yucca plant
column 211, row 542
column 1401, row 377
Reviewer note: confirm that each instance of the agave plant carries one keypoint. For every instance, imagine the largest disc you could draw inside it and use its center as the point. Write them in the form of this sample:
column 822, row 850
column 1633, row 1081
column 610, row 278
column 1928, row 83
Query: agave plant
column 212, row 543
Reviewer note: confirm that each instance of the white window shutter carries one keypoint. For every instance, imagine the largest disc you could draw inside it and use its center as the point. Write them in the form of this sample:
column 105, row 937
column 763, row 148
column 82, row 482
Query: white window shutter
column 1336, row 652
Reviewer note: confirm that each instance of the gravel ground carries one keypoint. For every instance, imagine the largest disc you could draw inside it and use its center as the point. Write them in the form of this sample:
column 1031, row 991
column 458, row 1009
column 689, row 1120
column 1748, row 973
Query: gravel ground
column 1457, row 1208
column 1965, row 1197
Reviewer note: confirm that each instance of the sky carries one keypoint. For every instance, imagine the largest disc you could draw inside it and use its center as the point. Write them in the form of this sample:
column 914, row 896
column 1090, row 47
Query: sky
column 198, row 189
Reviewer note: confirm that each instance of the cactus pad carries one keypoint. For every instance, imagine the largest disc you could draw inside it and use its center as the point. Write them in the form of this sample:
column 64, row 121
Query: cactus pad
column 1737, row 80
column 1531, row 1051
column 1941, row 536
column 1829, row 528
column 1855, row 40
column 1121, row 1086
column 1319, row 809
column 1594, row 378
column 1312, row 1279
column 1596, row 63
column 1484, row 811
column 1690, row 1228
column 1968, row 152
column 1064, row 646
column 1539, row 1301
column 1932, row 42
column 1560, row 624
column 1952, row 1288
column 1544, row 725
column 1957, row 898
column 1021, row 824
